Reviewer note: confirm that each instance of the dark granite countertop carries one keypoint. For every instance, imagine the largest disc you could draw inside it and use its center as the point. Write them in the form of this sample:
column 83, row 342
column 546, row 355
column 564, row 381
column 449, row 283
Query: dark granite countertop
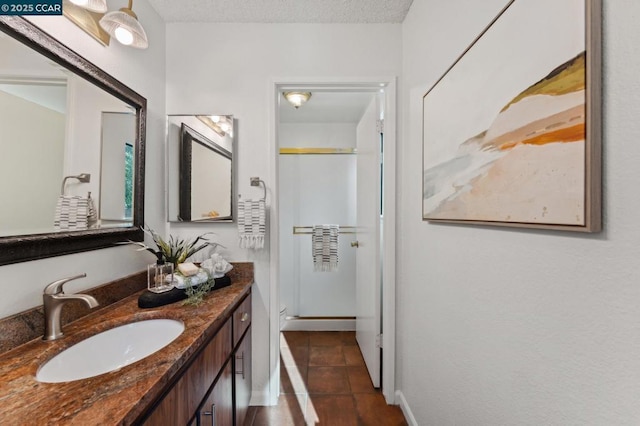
column 119, row 397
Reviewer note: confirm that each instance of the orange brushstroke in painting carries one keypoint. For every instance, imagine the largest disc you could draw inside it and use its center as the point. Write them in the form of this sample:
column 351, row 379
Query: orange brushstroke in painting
column 568, row 134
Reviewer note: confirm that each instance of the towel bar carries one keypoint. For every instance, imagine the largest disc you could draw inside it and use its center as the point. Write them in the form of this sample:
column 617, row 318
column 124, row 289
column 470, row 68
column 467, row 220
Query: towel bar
column 308, row 230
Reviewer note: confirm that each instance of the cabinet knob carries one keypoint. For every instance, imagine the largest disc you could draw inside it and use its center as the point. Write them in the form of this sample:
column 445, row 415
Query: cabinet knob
column 244, row 317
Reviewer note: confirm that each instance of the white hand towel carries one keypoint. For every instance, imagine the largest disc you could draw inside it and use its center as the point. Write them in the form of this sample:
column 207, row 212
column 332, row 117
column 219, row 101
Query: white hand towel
column 72, row 212
column 251, row 223
column 180, row 281
column 325, row 247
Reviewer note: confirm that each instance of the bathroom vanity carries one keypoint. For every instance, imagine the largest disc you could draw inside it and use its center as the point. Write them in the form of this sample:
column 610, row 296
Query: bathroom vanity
column 204, row 373
column 205, row 389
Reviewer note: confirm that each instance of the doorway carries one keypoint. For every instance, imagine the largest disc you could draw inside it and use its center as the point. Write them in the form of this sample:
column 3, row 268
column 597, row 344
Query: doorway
column 315, row 166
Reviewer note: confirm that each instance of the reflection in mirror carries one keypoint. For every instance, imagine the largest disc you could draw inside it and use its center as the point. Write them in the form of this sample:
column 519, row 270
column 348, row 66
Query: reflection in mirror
column 200, row 165
column 62, row 118
column 52, row 125
column 116, row 178
column 32, row 134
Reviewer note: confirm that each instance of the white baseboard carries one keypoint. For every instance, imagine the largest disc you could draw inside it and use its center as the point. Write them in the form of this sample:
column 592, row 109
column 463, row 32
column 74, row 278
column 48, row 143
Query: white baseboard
column 260, row 398
column 404, row 406
column 318, row 324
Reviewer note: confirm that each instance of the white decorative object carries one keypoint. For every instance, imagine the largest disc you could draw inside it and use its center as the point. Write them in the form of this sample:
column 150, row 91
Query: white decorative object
column 216, row 266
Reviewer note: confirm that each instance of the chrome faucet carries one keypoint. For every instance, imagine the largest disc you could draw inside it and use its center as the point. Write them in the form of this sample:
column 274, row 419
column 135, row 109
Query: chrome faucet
column 54, row 298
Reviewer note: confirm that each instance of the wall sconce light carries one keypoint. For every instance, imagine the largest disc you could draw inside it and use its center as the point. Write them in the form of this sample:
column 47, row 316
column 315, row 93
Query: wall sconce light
column 98, row 6
column 297, row 99
column 219, row 124
column 124, row 26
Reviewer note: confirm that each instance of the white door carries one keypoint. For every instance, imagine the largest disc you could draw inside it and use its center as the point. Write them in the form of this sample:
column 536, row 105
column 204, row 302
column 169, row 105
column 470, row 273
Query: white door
column 368, row 285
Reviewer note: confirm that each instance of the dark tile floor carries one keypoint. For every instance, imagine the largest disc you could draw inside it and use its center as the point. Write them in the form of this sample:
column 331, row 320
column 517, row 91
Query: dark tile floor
column 324, row 381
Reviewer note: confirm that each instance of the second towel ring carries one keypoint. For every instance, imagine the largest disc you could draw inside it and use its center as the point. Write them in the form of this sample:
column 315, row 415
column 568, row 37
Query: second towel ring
column 256, row 181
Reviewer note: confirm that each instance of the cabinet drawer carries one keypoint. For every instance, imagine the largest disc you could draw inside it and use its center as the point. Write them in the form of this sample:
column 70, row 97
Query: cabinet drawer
column 241, row 319
column 182, row 401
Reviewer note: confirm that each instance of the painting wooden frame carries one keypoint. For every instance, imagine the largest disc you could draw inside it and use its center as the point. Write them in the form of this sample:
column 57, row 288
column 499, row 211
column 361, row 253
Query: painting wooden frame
column 512, row 130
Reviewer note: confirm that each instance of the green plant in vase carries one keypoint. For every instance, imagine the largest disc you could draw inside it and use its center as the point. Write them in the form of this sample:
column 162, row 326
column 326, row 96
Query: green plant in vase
column 176, row 250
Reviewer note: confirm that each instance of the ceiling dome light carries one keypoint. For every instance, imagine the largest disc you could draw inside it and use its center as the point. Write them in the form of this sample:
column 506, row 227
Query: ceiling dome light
column 124, row 26
column 99, row 6
column 297, row 99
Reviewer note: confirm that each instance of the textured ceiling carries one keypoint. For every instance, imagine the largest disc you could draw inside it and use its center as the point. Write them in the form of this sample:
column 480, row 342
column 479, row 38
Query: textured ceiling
column 283, row 11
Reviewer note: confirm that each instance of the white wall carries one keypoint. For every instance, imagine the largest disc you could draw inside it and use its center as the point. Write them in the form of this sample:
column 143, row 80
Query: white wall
column 83, row 143
column 230, row 69
column 314, row 190
column 21, row 284
column 499, row 326
column 31, row 134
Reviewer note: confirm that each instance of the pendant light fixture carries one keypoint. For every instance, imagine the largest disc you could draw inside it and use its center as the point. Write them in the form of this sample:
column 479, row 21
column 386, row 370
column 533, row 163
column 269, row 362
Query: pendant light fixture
column 297, row 99
column 124, row 26
column 98, row 6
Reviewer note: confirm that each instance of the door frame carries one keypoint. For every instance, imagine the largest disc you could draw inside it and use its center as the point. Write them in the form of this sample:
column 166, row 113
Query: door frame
column 388, row 230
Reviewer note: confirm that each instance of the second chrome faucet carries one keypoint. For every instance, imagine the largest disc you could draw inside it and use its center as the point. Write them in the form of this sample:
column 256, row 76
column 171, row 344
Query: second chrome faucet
column 53, row 298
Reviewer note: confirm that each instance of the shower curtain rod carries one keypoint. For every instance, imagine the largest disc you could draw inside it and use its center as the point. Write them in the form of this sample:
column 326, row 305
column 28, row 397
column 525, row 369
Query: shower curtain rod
column 303, row 230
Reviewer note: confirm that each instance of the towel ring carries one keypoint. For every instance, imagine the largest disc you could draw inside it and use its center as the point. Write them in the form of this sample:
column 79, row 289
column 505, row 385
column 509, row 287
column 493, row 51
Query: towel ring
column 256, row 181
column 82, row 177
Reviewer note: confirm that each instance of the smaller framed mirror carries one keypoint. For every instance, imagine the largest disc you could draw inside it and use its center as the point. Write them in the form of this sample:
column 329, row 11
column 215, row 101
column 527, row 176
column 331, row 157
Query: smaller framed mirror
column 200, row 168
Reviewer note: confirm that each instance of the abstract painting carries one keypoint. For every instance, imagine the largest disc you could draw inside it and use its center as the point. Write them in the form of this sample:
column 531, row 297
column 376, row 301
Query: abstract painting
column 511, row 132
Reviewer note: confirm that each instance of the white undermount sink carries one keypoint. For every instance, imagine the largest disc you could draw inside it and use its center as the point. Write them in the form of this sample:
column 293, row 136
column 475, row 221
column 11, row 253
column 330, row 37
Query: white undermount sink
column 110, row 350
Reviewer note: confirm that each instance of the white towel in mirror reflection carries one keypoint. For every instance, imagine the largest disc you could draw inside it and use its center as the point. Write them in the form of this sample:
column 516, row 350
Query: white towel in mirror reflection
column 74, row 212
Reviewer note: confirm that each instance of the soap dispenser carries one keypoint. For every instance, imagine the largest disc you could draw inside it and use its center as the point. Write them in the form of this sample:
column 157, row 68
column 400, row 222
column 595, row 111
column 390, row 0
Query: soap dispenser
column 160, row 276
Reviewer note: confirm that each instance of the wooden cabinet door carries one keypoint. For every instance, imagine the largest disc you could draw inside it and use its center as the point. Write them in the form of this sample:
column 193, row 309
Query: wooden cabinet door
column 181, row 402
column 242, row 359
column 218, row 407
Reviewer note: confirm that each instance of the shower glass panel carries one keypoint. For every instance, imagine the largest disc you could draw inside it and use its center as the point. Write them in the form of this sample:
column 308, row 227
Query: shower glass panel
column 317, row 190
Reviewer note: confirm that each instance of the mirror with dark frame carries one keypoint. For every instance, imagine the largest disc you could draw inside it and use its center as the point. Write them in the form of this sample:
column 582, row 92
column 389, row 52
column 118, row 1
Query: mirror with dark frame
column 76, row 143
column 200, row 168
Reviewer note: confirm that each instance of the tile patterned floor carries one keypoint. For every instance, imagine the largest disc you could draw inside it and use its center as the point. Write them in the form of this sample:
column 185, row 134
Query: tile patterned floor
column 324, row 381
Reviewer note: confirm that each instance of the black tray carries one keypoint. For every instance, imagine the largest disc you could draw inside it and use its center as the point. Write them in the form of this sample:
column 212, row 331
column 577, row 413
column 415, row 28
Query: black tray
column 149, row 299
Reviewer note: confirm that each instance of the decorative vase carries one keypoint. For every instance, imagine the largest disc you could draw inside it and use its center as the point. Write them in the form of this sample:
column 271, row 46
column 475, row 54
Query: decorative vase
column 159, row 277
